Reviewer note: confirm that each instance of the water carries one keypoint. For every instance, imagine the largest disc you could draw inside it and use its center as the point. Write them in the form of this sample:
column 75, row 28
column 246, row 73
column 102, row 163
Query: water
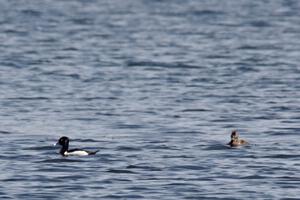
column 157, row 87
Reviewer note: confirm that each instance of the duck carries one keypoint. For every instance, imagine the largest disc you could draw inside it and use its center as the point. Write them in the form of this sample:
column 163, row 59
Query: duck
column 64, row 151
column 236, row 141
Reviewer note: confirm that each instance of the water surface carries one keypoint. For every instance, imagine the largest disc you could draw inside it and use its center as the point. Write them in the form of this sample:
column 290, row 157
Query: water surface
column 157, row 87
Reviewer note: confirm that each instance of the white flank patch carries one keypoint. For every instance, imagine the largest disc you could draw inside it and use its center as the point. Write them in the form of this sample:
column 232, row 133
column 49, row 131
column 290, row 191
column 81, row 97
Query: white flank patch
column 76, row 153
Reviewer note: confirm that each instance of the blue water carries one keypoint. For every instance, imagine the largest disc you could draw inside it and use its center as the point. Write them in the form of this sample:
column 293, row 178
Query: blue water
column 157, row 87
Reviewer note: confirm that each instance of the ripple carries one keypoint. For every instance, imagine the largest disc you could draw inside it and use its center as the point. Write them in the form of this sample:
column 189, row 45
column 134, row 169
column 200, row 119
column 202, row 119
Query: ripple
column 217, row 147
column 87, row 140
column 196, row 110
column 144, row 167
column 260, row 24
column 123, row 196
column 207, row 12
column 282, row 156
column 37, row 148
column 187, row 167
column 5, row 132
column 28, row 98
column 254, row 177
column 160, row 64
column 32, row 13
column 61, row 160
column 120, row 171
column 128, row 148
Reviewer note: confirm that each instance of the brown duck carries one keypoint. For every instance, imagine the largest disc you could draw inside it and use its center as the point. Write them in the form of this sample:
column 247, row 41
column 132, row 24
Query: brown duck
column 236, row 141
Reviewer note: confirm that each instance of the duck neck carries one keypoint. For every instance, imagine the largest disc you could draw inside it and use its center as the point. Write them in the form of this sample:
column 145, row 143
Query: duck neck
column 64, row 148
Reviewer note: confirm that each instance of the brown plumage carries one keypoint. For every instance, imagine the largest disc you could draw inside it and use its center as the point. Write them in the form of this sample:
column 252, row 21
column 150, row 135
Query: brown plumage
column 235, row 141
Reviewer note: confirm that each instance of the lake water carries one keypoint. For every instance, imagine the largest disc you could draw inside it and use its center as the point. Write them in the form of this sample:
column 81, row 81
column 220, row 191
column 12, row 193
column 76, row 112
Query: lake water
column 157, row 87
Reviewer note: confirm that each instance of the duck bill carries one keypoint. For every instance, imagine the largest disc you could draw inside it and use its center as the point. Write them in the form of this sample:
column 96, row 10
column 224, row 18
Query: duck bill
column 55, row 144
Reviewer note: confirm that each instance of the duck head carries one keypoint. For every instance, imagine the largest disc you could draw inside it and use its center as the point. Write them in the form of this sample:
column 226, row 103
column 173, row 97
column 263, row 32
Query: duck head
column 234, row 135
column 64, row 142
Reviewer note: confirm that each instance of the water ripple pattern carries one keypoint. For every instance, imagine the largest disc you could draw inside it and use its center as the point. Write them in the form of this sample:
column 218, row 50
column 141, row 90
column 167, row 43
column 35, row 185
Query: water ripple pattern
column 157, row 87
